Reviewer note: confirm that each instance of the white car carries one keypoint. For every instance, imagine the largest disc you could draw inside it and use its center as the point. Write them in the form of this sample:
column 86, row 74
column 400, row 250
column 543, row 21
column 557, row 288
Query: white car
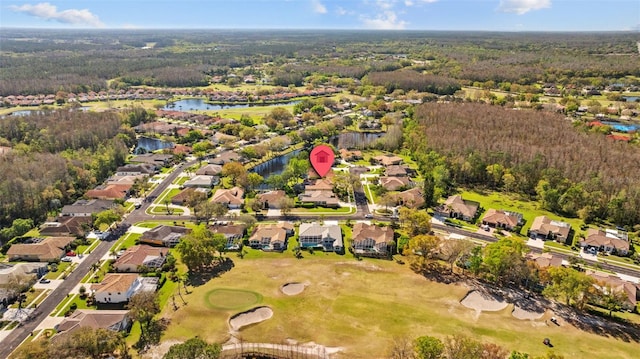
column 66, row 259
column 368, row 215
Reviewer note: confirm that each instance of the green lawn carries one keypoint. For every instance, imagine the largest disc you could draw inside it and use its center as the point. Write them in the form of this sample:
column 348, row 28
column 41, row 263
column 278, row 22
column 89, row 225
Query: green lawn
column 62, row 266
column 31, row 296
column 162, row 209
column 81, row 303
column 361, row 306
column 322, row 210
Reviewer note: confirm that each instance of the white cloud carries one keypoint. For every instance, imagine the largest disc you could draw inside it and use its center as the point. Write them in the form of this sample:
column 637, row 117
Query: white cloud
column 387, row 20
column 414, row 2
column 523, row 6
column 318, row 7
column 50, row 12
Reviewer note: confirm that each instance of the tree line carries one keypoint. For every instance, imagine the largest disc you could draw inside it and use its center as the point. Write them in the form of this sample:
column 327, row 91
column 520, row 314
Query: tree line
column 408, row 80
column 537, row 154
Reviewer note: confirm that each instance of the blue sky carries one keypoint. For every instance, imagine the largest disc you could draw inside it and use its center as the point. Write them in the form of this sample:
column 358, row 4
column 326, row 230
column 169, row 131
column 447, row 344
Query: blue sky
column 491, row 15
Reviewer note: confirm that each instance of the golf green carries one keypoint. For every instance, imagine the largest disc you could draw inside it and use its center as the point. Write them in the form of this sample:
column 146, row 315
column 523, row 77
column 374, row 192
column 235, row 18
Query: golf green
column 224, row 298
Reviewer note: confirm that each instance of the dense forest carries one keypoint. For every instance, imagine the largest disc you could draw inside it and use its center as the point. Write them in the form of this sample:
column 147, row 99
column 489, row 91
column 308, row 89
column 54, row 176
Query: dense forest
column 74, row 62
column 534, row 153
column 55, row 158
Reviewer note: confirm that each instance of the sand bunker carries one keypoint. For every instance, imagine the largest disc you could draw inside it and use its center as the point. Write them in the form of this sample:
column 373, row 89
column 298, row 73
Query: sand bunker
column 483, row 302
column 252, row 316
column 527, row 314
column 292, row 288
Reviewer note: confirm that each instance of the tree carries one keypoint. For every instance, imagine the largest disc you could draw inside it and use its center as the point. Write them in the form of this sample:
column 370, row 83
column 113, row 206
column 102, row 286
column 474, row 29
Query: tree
column 462, row 347
column 503, row 260
column 611, row 298
column 254, row 180
column 143, row 306
column 286, row 204
column 235, row 171
column 428, row 190
column 195, row 348
column 424, row 249
column 453, row 249
column 415, row 221
column 106, row 217
column 427, row 347
column 570, row 285
column 198, row 249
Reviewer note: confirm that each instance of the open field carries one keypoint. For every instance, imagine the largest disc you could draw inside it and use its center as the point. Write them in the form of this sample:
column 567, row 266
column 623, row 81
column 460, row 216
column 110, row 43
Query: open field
column 361, row 306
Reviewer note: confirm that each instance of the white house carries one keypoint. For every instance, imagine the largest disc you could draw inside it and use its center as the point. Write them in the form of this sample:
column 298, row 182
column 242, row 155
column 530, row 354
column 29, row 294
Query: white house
column 119, row 288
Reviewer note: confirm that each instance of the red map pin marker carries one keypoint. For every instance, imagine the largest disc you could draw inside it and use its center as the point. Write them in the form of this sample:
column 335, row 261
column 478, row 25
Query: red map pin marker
column 321, row 158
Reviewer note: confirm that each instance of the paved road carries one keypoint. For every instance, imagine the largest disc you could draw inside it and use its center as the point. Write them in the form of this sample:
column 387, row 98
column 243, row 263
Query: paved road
column 20, row 333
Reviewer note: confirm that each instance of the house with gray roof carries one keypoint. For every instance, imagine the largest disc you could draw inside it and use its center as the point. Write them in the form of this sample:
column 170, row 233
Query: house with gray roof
column 327, row 236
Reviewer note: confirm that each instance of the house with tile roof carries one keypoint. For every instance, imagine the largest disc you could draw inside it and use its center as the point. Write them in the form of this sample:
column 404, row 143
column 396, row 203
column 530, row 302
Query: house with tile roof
column 544, row 228
column 606, row 283
column 394, row 183
column 67, row 226
column 232, row 198
column 116, row 320
column 136, row 257
column 49, row 249
column 327, row 236
column 269, row 237
column 119, row 288
column 320, row 198
column 502, row 219
column 232, row 232
column 411, row 198
column 209, row 170
column 85, row 208
column 610, row 241
column 456, row 207
column 162, row 235
column 271, row 199
column 109, row 191
column 388, row 160
column 372, row 240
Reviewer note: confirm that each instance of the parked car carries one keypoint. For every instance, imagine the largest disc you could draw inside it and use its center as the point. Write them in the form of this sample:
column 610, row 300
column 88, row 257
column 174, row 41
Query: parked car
column 66, row 259
column 368, row 215
column 45, row 281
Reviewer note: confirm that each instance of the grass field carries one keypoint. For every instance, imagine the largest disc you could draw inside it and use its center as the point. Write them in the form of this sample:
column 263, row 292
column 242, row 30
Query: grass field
column 361, row 306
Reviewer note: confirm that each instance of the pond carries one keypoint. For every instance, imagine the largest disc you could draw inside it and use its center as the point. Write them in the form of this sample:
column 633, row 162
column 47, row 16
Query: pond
column 198, row 104
column 357, row 140
column 621, row 126
column 40, row 112
column 148, row 144
column 274, row 166
column 631, row 98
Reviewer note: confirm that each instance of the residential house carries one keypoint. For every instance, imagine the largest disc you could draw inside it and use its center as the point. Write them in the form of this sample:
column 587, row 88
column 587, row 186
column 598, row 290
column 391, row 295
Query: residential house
column 139, row 256
column 202, row 181
column 226, row 157
column 412, row 198
column 116, row 320
column 135, row 169
column 545, row 260
column 232, row 232
column 348, row 155
column 456, row 207
column 162, row 235
column 269, row 237
column 85, row 208
column 320, row 198
column 544, row 227
column 502, row 219
column 181, row 198
column 109, row 191
column 209, row 170
column 388, row 160
column 119, row 288
column 323, row 184
column 49, row 249
column 327, row 236
column 271, row 199
column 24, row 274
column 397, row 171
column 156, row 159
column 371, row 240
column 606, row 283
column 394, row 183
column 609, row 241
column 67, row 226
column 232, row 198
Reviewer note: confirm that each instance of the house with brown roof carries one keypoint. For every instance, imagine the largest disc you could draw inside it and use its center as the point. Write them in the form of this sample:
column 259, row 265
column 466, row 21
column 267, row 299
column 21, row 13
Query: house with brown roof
column 109, row 191
column 162, row 235
column 135, row 169
column 181, row 198
column 388, row 160
column 209, row 170
column 606, row 283
column 411, row 198
column 502, row 219
column 456, row 207
column 232, row 198
column 119, row 288
column 85, row 208
column 66, row 226
column 545, row 260
column 320, row 198
column 271, row 199
column 372, row 240
column 544, row 228
column 609, row 241
column 226, row 157
column 232, row 232
column 202, row 181
column 49, row 249
column 269, row 237
column 116, row 320
column 322, row 184
column 397, row 171
column 394, row 183
column 350, row 155
column 136, row 257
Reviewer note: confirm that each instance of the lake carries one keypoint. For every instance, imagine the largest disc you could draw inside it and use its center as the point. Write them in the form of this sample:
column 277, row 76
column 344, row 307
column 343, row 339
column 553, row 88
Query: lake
column 148, row 144
column 198, row 104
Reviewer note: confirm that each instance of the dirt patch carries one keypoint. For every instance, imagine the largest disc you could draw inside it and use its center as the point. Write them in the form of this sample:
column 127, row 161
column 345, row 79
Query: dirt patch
column 524, row 314
column 252, row 316
column 158, row 351
column 293, row 288
column 483, row 301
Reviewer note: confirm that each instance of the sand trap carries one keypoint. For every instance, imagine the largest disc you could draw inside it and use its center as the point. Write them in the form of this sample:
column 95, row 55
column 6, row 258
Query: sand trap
column 483, row 302
column 252, row 316
column 524, row 314
column 292, row 288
